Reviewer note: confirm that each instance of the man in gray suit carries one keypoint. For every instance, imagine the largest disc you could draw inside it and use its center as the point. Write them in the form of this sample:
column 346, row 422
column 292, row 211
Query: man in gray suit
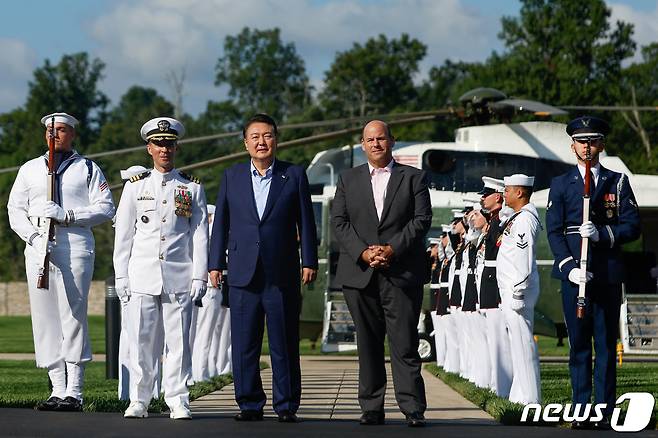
column 381, row 213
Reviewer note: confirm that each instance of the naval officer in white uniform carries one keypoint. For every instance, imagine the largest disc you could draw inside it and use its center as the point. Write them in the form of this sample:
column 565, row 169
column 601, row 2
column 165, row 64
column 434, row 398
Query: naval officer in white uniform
column 160, row 263
column 518, row 282
column 59, row 314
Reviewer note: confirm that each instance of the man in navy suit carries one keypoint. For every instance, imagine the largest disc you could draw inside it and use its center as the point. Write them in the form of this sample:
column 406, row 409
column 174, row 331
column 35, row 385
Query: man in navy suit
column 614, row 220
column 263, row 215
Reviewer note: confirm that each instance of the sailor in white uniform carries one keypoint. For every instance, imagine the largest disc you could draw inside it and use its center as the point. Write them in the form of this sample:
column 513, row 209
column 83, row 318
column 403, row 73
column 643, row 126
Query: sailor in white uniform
column 518, row 281
column 82, row 200
column 204, row 324
column 124, row 340
column 160, row 264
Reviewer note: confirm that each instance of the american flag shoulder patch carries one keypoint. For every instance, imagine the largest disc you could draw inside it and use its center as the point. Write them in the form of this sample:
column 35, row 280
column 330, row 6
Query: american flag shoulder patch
column 103, row 186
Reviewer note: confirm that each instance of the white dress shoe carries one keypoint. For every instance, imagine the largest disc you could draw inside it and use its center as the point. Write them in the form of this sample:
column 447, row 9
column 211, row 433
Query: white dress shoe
column 136, row 410
column 180, row 413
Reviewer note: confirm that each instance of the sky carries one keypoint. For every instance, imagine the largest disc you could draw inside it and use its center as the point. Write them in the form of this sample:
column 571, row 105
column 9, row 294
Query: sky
column 143, row 41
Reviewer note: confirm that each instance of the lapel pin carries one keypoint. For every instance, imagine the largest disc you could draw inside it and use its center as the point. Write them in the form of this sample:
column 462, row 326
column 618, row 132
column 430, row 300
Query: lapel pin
column 283, row 176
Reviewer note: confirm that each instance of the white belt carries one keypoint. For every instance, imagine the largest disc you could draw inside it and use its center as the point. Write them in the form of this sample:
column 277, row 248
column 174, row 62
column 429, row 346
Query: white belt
column 457, row 271
column 444, row 284
column 40, row 222
column 489, row 263
column 435, row 286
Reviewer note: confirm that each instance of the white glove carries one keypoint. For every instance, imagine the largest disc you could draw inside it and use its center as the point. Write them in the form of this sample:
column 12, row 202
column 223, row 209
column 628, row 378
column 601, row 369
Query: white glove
column 54, row 211
column 518, row 303
column 122, row 286
column 574, row 276
column 39, row 243
column 588, row 230
column 505, row 213
column 198, row 290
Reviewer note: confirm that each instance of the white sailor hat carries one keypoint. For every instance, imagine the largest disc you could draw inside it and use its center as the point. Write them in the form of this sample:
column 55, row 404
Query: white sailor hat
column 132, row 171
column 446, row 228
column 434, row 240
column 491, row 185
column 470, row 204
column 457, row 213
column 60, row 118
column 211, row 208
column 162, row 128
column 519, row 179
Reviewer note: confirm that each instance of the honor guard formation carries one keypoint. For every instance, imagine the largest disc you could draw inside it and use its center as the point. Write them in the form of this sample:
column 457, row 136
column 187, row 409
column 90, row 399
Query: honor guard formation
column 179, row 263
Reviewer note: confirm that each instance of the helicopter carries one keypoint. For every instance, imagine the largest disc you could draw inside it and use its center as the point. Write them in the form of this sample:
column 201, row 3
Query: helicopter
column 454, row 169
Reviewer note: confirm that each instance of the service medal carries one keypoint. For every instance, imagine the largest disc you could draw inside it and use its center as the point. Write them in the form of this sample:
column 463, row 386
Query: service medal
column 609, row 214
column 183, row 202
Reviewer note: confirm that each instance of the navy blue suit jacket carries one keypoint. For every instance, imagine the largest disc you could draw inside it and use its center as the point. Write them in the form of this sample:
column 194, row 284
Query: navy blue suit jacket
column 274, row 238
column 613, row 210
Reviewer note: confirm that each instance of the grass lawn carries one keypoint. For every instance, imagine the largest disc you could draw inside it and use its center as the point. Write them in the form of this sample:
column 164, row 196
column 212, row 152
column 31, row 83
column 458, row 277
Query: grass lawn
column 555, row 387
column 22, row 385
column 16, row 334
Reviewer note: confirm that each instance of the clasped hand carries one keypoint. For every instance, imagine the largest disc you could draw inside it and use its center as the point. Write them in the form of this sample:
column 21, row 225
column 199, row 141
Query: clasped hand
column 378, row 256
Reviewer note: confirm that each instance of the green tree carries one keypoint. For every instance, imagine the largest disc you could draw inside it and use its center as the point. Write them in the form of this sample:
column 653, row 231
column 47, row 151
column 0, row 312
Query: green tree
column 263, row 73
column 562, row 52
column 374, row 77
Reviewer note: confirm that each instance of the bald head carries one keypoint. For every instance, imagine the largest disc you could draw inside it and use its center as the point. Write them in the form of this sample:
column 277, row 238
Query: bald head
column 377, row 143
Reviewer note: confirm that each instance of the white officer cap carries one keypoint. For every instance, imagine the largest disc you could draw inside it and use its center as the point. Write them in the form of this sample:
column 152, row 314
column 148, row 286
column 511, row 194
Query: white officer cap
column 471, row 204
column 519, row 179
column 211, row 209
column 60, row 118
column 162, row 128
column 434, row 240
column 492, row 185
column 446, row 228
column 457, row 214
column 132, row 171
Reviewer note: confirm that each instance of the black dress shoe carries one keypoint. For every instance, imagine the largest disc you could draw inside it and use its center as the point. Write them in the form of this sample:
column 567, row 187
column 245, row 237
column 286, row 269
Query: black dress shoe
column 581, row 425
column 602, row 425
column 415, row 419
column 249, row 415
column 371, row 418
column 48, row 405
column 288, row 417
column 69, row 404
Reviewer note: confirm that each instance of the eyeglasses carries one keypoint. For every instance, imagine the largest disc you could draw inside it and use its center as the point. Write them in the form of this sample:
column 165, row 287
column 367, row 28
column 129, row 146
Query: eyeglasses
column 164, row 143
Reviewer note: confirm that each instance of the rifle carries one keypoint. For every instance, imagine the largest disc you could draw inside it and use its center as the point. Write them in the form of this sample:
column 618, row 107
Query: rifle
column 584, row 243
column 49, row 224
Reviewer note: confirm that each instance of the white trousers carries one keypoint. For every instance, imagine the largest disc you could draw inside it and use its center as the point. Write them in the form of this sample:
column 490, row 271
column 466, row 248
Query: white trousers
column 59, row 314
column 439, row 338
column 124, row 357
column 526, row 383
column 451, row 363
column 479, row 352
column 499, row 351
column 463, row 337
column 144, row 329
column 204, row 322
column 220, row 349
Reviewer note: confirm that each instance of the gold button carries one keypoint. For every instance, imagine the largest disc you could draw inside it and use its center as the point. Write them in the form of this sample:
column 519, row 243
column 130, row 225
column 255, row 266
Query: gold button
column 164, row 201
column 161, row 257
column 164, row 183
column 164, row 220
column 162, row 238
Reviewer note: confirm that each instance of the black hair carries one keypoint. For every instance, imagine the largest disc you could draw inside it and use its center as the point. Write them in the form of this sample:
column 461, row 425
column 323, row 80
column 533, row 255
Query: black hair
column 259, row 118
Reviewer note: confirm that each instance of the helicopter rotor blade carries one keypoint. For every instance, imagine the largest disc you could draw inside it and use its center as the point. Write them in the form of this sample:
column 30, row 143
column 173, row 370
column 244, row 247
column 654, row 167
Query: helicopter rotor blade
column 427, row 116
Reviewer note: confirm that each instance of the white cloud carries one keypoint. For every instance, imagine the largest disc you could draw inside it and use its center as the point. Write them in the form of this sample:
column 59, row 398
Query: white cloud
column 646, row 23
column 16, row 65
column 141, row 41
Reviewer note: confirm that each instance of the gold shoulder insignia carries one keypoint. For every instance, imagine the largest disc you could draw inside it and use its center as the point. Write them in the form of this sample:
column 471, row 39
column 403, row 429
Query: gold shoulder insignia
column 140, row 176
column 189, row 177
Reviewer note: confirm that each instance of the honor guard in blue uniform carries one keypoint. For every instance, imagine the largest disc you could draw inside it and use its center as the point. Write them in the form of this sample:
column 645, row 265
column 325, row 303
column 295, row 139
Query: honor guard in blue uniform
column 614, row 220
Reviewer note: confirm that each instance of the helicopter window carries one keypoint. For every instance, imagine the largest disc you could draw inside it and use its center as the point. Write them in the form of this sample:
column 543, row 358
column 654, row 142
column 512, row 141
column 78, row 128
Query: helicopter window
column 463, row 171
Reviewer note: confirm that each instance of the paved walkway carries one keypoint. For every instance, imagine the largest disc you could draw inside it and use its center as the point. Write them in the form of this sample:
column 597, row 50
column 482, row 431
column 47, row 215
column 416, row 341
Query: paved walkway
column 329, row 392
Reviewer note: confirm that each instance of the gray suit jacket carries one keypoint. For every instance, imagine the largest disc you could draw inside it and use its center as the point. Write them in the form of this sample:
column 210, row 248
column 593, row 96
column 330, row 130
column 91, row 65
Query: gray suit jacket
column 406, row 218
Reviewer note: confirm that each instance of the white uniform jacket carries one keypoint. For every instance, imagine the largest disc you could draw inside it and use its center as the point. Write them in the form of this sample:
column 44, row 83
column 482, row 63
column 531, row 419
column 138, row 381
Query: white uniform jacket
column 516, row 264
column 82, row 191
column 161, row 233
